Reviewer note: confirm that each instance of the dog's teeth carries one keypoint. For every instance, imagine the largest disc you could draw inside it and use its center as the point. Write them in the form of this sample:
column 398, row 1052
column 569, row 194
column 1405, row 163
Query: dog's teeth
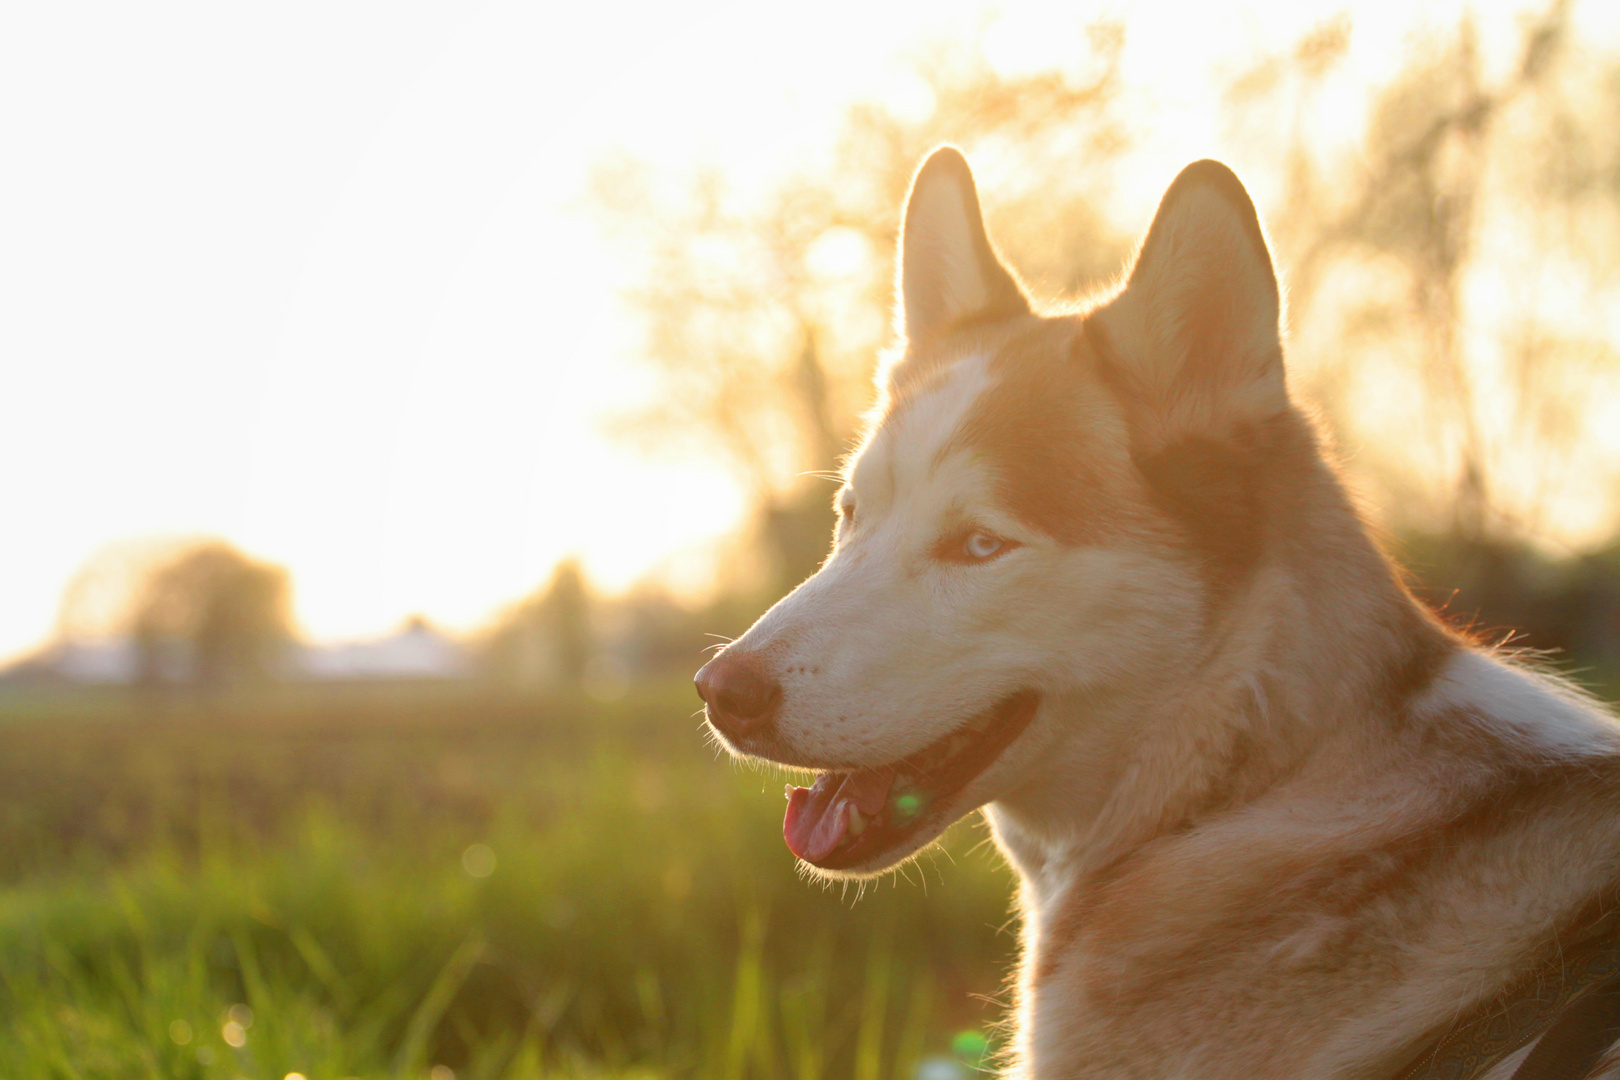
column 857, row 823
column 787, row 791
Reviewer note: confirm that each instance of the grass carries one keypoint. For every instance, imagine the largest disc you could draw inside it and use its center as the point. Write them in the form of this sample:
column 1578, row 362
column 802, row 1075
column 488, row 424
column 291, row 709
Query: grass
column 381, row 883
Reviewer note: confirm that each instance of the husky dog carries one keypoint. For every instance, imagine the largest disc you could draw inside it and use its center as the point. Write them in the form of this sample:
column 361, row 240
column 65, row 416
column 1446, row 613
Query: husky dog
column 1093, row 574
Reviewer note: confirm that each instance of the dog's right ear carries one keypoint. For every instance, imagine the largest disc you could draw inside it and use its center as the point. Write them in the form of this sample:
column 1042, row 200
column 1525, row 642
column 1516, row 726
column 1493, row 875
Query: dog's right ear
column 949, row 273
column 1193, row 344
column 1194, row 336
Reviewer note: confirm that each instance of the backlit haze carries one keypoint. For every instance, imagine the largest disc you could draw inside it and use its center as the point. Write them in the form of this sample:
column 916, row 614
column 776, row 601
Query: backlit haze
column 323, row 279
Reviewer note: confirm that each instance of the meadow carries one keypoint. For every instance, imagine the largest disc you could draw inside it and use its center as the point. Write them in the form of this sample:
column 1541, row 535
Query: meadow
column 423, row 881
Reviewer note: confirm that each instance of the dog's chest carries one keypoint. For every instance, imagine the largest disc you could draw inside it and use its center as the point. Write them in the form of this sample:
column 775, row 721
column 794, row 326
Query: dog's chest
column 1165, row 984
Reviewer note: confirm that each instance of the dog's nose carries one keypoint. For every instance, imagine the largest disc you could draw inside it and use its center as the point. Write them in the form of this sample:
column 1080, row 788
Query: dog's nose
column 741, row 697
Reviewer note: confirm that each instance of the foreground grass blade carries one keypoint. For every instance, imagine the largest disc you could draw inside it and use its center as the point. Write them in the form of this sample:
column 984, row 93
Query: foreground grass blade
column 413, row 1048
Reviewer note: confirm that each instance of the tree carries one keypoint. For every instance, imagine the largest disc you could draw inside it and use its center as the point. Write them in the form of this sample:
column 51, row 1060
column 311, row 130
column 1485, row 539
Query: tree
column 1463, row 186
column 212, row 616
column 1449, row 270
column 548, row 638
column 765, row 319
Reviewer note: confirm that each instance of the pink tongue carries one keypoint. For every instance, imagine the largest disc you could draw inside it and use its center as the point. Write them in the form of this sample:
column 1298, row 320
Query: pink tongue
column 818, row 816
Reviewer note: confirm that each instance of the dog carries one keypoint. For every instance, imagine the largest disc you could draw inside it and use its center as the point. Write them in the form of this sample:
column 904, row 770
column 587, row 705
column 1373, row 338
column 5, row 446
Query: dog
column 1094, row 573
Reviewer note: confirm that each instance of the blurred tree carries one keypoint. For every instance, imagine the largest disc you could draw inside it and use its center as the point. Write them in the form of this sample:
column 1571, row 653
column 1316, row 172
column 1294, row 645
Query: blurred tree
column 1450, row 255
column 1455, row 266
column 566, row 606
column 764, row 318
column 1382, row 245
column 548, row 638
column 98, row 601
column 212, row 616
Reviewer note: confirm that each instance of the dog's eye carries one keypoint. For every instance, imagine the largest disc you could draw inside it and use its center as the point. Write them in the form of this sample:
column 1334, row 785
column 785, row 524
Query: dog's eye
column 975, row 546
column 982, row 545
column 846, row 514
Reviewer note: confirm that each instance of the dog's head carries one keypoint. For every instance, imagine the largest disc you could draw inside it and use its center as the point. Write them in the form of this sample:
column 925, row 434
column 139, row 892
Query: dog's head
column 1044, row 511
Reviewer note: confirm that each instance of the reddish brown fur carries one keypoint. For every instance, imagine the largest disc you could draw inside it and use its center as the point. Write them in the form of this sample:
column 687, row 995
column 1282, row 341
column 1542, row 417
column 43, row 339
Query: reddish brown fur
column 1405, row 648
column 1043, row 428
column 1481, row 823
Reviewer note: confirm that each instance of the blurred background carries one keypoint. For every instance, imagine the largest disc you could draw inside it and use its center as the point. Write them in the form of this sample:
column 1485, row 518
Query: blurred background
column 397, row 399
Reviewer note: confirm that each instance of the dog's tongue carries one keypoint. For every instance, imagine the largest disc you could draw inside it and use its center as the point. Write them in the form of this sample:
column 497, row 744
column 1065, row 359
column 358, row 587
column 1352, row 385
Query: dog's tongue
column 818, row 816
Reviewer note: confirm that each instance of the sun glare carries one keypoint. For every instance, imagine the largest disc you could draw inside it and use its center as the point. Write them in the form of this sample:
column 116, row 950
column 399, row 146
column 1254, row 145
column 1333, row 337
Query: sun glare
column 325, row 283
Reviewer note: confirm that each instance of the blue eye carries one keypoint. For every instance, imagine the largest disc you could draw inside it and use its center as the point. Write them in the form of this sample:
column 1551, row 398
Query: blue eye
column 981, row 545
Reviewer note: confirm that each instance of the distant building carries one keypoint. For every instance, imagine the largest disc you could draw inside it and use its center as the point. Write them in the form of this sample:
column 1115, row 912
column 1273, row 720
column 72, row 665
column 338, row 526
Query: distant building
column 416, row 651
column 89, row 663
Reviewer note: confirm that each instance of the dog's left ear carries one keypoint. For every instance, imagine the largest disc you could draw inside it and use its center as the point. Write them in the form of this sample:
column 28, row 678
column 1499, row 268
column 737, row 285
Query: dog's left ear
column 1194, row 335
column 949, row 273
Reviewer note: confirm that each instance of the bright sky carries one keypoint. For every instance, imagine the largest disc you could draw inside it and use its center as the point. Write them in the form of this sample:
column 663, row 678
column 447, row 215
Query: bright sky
column 315, row 276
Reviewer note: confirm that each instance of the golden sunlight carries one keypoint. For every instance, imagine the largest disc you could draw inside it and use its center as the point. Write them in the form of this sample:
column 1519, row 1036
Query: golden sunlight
column 411, row 406
column 375, row 329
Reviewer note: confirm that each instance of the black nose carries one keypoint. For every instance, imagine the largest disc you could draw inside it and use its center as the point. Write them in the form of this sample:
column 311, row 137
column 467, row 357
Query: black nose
column 741, row 696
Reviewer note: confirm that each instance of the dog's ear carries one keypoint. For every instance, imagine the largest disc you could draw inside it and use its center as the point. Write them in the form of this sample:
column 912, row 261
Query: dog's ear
column 949, row 273
column 1193, row 338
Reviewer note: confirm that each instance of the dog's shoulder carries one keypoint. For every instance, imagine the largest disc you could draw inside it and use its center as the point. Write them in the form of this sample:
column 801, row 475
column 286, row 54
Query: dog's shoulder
column 1411, row 871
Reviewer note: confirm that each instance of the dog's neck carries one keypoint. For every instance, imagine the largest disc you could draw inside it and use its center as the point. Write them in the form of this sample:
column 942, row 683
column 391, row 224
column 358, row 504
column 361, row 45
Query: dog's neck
column 1298, row 653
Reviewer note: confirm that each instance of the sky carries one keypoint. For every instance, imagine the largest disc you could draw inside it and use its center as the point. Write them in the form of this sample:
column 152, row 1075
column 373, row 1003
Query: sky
column 321, row 278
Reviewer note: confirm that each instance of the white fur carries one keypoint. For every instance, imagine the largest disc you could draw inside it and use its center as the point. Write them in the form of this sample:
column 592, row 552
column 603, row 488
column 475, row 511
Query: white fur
column 1542, row 712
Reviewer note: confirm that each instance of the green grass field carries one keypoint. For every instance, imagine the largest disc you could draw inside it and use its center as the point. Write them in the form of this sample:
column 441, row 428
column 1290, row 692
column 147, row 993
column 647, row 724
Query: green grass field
column 396, row 882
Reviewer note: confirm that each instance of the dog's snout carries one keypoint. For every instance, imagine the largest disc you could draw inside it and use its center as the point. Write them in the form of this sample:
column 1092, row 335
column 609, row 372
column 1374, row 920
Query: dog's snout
column 741, row 696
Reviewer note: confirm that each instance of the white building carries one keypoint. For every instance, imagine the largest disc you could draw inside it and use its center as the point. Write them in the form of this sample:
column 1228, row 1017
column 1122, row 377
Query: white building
column 415, row 651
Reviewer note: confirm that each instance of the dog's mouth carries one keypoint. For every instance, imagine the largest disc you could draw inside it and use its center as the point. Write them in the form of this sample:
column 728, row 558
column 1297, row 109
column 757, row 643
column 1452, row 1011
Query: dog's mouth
column 848, row 819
